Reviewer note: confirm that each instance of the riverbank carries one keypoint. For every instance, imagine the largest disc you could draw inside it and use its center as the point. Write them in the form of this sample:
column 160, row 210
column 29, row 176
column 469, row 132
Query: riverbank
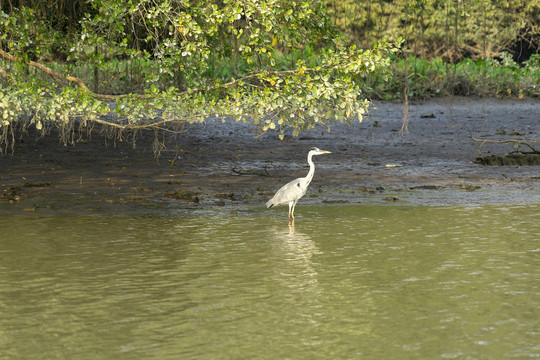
column 231, row 164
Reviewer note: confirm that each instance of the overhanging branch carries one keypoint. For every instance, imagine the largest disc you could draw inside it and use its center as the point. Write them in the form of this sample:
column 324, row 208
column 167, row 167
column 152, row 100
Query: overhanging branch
column 59, row 77
column 7, row 76
column 62, row 80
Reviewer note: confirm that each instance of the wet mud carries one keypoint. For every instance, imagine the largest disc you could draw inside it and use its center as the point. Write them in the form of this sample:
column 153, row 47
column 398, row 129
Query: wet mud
column 232, row 164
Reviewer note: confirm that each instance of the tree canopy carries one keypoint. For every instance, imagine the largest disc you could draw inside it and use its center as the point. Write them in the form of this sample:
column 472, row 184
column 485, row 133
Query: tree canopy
column 131, row 64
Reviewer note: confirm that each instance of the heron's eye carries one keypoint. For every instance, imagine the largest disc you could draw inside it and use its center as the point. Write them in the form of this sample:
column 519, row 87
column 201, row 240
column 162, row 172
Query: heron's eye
column 298, row 184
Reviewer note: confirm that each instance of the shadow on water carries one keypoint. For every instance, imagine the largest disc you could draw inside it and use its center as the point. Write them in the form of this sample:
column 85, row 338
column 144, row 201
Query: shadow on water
column 345, row 282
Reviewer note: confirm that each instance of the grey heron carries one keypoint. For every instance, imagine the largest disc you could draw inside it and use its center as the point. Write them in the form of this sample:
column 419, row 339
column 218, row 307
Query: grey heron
column 291, row 192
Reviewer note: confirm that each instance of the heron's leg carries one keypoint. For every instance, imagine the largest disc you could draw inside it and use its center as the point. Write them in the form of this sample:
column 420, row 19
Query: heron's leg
column 291, row 207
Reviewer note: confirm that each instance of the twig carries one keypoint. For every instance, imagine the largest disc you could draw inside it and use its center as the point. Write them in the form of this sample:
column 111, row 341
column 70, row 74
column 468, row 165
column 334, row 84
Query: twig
column 175, row 155
column 7, row 76
column 156, row 125
column 517, row 142
column 251, row 172
column 405, row 125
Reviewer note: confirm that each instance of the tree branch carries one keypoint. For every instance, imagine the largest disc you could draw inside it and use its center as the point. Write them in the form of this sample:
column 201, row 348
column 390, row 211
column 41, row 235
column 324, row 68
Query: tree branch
column 60, row 79
column 7, row 76
column 513, row 141
column 57, row 76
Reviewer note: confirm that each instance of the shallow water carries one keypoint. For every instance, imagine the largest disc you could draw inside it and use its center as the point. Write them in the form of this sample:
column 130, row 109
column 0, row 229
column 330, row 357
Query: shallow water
column 364, row 282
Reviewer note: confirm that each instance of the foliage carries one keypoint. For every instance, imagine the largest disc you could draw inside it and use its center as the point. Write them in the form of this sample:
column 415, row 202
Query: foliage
column 451, row 30
column 426, row 78
column 170, row 53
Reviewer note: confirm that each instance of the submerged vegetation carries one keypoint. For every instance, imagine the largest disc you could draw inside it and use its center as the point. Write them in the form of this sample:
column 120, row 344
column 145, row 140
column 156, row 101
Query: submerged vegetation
column 133, row 65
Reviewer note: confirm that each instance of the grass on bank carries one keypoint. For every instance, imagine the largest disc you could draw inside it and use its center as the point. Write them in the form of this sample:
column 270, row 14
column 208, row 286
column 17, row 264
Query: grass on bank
column 492, row 78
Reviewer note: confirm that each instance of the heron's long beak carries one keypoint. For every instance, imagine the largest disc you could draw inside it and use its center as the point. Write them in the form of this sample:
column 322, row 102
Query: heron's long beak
column 325, row 152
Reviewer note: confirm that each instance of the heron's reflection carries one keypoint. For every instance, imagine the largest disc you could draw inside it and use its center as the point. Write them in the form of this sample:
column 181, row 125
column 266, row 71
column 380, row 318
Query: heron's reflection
column 291, row 228
column 294, row 251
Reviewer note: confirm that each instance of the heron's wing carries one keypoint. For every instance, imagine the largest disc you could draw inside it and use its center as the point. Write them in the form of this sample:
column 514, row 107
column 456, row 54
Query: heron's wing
column 291, row 191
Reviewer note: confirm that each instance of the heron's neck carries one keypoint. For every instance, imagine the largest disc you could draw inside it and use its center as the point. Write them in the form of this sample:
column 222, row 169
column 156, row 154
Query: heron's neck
column 311, row 168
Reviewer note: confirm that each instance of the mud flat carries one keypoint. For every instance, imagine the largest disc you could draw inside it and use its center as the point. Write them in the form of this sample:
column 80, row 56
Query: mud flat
column 232, row 164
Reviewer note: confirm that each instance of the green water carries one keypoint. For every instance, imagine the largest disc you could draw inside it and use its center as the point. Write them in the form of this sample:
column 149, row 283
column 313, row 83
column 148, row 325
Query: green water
column 348, row 282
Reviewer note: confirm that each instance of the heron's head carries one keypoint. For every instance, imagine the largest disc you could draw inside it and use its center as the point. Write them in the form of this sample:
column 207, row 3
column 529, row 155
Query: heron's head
column 317, row 151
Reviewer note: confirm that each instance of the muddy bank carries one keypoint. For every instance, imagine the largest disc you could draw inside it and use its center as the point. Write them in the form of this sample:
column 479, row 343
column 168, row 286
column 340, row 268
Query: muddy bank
column 231, row 164
column 510, row 159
